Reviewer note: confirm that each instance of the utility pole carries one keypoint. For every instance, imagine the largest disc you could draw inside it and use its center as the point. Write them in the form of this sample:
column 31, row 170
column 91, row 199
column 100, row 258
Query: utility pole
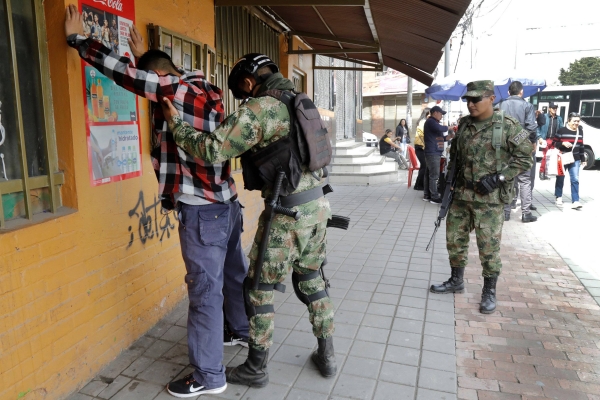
column 409, row 101
column 446, row 73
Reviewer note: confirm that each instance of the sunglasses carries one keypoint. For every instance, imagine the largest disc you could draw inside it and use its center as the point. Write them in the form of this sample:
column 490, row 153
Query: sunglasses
column 475, row 100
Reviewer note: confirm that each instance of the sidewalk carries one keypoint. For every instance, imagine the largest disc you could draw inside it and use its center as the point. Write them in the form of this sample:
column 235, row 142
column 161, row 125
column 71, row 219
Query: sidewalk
column 394, row 339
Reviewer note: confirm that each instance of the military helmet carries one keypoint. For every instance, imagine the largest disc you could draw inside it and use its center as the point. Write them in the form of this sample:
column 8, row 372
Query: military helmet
column 248, row 64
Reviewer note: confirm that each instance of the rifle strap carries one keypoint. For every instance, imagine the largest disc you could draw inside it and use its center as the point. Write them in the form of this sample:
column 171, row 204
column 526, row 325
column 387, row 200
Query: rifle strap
column 497, row 140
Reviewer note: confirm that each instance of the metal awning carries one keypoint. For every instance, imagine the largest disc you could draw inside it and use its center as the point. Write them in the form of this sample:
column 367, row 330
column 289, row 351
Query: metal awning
column 406, row 35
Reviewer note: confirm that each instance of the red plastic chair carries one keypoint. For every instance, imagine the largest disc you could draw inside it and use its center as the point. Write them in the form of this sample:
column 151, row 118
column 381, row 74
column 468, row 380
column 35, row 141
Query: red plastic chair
column 414, row 163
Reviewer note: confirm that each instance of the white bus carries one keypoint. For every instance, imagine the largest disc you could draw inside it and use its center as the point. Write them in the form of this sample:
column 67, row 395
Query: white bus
column 582, row 99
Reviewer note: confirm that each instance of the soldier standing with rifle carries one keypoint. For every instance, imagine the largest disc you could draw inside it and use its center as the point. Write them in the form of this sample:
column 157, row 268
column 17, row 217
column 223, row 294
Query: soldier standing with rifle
column 490, row 150
column 292, row 229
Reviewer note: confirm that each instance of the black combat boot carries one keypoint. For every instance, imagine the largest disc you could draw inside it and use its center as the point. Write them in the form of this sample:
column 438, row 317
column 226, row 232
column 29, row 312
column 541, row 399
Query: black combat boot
column 253, row 372
column 488, row 296
column 513, row 204
column 528, row 217
column 452, row 285
column 324, row 357
column 506, row 216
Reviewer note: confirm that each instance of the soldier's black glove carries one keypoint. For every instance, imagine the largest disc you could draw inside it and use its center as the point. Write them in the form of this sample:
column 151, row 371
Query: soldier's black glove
column 488, row 183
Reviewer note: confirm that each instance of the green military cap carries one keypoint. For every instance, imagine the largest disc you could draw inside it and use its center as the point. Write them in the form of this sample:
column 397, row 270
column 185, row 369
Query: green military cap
column 478, row 88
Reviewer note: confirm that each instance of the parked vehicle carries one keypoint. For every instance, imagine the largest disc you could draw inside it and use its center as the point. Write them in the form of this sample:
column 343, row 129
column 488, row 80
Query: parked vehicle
column 370, row 139
column 582, row 99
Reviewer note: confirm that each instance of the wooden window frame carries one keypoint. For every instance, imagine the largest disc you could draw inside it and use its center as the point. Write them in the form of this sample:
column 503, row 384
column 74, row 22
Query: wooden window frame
column 54, row 178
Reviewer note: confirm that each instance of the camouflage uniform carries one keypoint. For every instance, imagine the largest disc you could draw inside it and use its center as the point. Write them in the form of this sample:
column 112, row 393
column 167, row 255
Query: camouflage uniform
column 296, row 244
column 476, row 158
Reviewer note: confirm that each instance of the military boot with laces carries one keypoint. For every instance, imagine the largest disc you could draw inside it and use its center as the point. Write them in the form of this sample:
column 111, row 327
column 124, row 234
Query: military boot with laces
column 453, row 285
column 488, row 296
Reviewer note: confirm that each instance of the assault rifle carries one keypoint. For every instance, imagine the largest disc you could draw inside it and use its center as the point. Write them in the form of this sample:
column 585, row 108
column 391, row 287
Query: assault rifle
column 272, row 207
column 446, row 199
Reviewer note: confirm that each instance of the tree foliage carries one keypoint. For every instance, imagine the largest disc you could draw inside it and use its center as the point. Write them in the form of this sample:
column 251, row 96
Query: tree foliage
column 585, row 71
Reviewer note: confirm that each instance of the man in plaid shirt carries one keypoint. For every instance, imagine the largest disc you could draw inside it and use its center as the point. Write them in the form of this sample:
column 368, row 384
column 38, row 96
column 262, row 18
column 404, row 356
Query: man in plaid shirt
column 209, row 213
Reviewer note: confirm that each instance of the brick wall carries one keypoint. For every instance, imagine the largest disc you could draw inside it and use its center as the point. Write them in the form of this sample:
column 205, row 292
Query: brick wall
column 377, row 121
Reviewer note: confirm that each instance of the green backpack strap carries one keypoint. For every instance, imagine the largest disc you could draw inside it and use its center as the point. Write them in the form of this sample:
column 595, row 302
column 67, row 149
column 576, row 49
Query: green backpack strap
column 497, row 140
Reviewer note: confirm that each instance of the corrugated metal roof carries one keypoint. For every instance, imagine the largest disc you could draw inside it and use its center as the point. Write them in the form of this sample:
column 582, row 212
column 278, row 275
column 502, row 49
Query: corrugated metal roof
column 411, row 33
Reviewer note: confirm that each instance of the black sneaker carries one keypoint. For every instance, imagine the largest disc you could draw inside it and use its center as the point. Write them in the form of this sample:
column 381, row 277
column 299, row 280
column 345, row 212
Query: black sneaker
column 426, row 198
column 230, row 339
column 436, row 200
column 188, row 387
column 532, row 207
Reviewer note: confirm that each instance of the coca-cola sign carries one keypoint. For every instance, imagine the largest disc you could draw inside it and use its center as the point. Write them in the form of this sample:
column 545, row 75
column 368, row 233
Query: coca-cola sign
column 115, row 4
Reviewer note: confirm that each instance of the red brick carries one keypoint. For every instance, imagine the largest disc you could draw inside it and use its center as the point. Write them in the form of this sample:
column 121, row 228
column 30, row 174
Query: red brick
column 520, row 388
column 499, row 375
column 585, row 387
column 556, row 372
column 573, row 365
column 478, row 384
column 490, row 355
column 467, row 394
column 532, row 360
column 467, row 362
column 504, row 366
column 489, row 339
column 537, row 352
column 484, row 395
column 589, row 377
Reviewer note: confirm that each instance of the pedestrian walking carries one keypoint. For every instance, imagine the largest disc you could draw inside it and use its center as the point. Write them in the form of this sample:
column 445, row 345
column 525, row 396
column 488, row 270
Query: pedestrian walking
column 523, row 111
column 569, row 139
column 484, row 180
column 434, row 137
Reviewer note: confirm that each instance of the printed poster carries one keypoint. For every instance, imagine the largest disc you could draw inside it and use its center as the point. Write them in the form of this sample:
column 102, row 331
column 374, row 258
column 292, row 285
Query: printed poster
column 112, row 115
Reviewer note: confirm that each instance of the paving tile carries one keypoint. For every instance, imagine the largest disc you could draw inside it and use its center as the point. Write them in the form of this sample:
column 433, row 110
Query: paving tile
column 415, row 302
column 440, row 317
column 410, row 313
column 439, row 345
column 138, row 366
column 136, row 390
column 402, row 355
column 160, row 372
column 366, row 367
column 368, row 350
column 158, row 348
column 283, row 374
column 437, row 380
column 93, row 388
column 114, row 387
column 398, row 373
column 388, row 391
column 372, row 334
column 354, row 386
column 406, row 339
column 376, row 321
column 426, row 394
column 311, row 379
column 271, row 392
column 178, row 354
column 174, row 334
column 292, row 355
column 445, row 331
column 441, row 361
column 300, row 394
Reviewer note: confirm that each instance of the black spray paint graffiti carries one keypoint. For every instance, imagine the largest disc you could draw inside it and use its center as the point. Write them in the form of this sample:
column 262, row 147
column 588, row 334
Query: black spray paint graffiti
column 148, row 225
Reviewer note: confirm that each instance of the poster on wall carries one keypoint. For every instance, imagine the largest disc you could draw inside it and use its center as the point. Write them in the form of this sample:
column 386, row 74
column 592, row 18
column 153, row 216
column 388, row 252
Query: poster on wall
column 111, row 112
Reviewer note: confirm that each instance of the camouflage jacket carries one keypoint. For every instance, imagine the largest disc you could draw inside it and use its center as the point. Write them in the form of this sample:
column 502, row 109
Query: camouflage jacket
column 476, row 157
column 256, row 124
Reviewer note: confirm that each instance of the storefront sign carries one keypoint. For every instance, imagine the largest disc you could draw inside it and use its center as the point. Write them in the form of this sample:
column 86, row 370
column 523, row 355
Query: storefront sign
column 113, row 133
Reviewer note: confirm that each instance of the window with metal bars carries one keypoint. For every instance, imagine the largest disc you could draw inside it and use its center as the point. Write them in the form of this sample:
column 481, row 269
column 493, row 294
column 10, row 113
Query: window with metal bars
column 29, row 177
column 239, row 31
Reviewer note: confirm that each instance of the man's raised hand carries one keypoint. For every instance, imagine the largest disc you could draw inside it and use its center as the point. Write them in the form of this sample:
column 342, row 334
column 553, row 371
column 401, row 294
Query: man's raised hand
column 73, row 23
column 136, row 42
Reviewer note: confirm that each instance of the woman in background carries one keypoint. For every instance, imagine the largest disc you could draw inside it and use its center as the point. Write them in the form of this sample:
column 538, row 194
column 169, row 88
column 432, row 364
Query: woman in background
column 403, row 135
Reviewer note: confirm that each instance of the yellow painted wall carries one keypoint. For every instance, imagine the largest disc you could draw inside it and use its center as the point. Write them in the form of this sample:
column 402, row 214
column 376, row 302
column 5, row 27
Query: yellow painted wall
column 290, row 62
column 73, row 292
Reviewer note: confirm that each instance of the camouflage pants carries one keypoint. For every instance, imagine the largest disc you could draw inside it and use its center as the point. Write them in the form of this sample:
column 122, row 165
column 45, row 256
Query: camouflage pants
column 487, row 220
column 302, row 250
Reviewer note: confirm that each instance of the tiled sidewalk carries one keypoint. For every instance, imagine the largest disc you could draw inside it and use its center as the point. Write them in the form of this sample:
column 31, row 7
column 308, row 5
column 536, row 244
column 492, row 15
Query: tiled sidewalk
column 395, row 340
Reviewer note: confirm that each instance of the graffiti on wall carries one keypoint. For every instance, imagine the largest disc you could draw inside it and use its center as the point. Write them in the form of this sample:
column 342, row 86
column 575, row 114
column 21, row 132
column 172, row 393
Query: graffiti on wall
column 147, row 219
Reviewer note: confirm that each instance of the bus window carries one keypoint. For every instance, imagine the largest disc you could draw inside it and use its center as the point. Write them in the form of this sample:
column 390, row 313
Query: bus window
column 587, row 108
column 597, row 109
column 562, row 112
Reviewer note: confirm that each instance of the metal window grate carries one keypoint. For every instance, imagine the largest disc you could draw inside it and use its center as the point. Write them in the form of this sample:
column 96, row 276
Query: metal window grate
column 30, row 184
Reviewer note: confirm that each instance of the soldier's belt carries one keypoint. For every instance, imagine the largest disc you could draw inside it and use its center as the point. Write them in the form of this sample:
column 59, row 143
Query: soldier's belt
column 296, row 199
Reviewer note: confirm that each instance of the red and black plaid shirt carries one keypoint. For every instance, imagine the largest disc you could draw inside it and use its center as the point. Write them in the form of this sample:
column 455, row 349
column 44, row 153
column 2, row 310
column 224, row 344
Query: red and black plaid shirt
column 199, row 103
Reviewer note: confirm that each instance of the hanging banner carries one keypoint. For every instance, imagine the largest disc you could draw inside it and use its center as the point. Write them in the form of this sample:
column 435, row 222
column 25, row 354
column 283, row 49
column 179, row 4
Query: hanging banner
column 113, row 133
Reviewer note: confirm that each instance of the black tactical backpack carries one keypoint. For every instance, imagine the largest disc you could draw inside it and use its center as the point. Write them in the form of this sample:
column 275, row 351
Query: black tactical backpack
column 307, row 144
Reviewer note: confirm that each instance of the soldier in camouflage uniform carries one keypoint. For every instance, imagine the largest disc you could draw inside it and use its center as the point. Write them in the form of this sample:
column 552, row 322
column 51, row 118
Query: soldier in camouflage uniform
column 481, row 190
column 293, row 244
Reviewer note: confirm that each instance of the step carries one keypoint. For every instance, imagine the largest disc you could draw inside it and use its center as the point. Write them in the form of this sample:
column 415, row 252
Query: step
column 375, row 164
column 367, row 179
column 355, row 155
column 355, row 148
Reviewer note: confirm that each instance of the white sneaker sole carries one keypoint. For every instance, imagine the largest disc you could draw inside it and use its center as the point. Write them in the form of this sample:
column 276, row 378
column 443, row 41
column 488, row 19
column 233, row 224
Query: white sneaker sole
column 236, row 343
column 198, row 393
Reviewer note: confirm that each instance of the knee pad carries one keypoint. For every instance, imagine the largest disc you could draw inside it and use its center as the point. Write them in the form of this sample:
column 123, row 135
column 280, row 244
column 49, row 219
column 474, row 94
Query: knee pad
column 309, row 298
column 251, row 309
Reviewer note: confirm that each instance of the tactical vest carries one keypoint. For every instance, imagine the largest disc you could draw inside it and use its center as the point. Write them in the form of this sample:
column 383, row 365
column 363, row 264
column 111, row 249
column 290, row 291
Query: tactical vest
column 307, row 144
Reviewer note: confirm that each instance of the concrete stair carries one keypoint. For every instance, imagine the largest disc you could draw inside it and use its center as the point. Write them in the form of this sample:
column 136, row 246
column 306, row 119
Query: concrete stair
column 356, row 164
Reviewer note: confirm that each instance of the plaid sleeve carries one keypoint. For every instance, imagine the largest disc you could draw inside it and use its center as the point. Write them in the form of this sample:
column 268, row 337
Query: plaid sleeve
column 122, row 71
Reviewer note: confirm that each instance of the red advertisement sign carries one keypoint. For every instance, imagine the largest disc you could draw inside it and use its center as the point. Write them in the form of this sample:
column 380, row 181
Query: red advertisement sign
column 111, row 112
